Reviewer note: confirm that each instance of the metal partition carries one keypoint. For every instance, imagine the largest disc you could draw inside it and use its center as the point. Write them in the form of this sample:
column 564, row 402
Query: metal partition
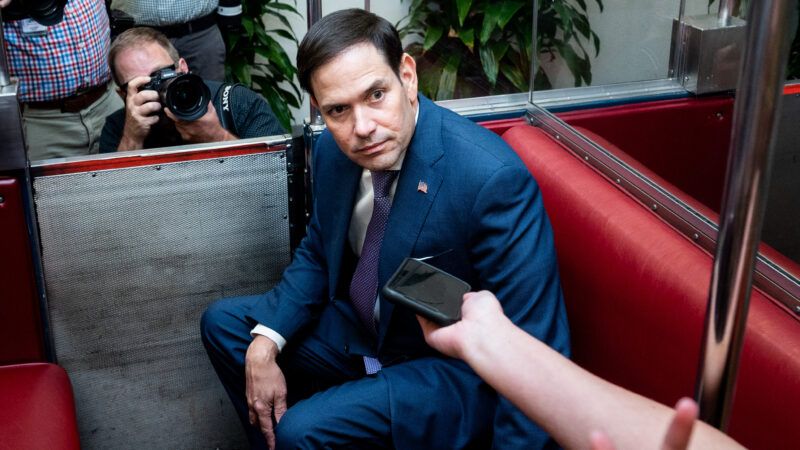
column 134, row 247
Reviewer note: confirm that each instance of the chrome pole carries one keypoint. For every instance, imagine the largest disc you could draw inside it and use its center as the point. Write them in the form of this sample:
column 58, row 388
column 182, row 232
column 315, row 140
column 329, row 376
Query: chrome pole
column 726, row 8
column 758, row 99
column 5, row 79
column 314, row 13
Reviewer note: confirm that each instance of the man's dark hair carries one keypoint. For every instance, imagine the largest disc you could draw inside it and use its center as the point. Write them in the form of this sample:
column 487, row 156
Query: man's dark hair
column 339, row 31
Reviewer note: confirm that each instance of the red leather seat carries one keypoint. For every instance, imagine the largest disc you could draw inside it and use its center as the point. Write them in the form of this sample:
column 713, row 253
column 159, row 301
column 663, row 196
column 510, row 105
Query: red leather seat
column 37, row 409
column 636, row 293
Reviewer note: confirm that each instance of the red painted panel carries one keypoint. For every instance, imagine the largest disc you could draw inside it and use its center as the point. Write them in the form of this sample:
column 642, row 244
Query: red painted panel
column 20, row 329
column 38, row 408
column 685, row 141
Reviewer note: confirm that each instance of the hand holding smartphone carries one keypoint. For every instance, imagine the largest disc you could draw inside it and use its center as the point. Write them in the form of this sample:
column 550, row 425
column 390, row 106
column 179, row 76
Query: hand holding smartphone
column 428, row 291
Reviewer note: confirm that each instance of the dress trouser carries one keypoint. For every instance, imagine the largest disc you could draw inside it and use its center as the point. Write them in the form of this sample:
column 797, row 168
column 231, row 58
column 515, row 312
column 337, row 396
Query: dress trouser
column 51, row 133
column 423, row 403
column 204, row 52
column 344, row 405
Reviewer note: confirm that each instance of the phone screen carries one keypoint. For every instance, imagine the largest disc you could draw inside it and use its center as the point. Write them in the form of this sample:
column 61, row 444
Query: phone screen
column 430, row 286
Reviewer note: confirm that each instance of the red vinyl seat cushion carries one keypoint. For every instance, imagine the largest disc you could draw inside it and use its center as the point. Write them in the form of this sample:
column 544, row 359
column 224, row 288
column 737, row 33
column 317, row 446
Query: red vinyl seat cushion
column 636, row 293
column 37, row 409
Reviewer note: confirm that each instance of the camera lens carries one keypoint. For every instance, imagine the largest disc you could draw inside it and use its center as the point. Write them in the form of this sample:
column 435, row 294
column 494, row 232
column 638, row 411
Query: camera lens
column 187, row 96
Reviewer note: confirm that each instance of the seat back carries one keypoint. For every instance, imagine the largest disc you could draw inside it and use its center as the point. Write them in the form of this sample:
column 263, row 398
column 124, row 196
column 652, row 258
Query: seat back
column 38, row 409
column 636, row 293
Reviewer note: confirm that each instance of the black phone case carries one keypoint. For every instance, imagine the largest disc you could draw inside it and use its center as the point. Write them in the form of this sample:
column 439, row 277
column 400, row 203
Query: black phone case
column 420, row 308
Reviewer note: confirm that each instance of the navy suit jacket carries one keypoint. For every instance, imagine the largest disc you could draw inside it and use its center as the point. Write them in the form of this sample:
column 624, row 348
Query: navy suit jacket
column 484, row 208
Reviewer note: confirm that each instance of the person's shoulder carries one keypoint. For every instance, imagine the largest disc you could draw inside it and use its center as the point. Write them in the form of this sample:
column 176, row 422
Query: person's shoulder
column 469, row 142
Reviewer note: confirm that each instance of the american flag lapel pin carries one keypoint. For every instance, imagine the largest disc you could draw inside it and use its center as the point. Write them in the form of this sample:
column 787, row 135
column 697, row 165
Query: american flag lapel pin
column 422, row 187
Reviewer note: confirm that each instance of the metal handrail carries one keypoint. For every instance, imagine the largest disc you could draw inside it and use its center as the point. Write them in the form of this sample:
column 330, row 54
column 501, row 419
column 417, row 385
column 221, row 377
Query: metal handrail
column 314, row 13
column 5, row 79
column 752, row 140
column 726, row 8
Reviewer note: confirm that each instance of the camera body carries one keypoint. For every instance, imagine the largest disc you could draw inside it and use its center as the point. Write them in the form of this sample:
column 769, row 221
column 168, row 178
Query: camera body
column 185, row 94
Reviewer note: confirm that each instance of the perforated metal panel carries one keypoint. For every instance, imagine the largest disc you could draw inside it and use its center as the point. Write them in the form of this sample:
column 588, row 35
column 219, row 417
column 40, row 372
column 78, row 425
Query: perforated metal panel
column 132, row 257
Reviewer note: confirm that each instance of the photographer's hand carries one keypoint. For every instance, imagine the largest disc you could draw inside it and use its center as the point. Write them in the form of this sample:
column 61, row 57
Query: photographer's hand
column 4, row 3
column 141, row 113
column 205, row 129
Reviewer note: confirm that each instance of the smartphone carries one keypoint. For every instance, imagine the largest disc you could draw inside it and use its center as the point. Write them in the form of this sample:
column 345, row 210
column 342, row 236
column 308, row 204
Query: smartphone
column 428, row 291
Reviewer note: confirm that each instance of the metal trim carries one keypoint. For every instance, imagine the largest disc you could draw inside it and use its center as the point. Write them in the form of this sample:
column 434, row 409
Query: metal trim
column 166, row 154
column 769, row 276
column 572, row 98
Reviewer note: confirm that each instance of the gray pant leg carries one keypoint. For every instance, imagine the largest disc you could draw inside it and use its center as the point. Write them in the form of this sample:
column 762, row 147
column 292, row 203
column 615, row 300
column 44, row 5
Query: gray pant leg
column 204, row 51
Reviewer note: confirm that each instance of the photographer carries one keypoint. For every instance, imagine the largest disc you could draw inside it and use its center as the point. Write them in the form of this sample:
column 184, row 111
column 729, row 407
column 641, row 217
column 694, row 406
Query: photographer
column 152, row 77
column 194, row 27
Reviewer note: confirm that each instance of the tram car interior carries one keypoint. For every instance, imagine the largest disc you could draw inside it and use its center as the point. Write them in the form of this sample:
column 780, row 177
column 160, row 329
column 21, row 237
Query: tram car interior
column 108, row 261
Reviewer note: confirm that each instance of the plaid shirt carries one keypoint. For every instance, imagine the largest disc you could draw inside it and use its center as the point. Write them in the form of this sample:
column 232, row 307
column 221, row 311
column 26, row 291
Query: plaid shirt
column 68, row 58
column 159, row 13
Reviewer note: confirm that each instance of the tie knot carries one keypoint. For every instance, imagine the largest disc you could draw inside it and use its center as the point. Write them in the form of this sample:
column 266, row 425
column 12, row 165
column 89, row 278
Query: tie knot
column 382, row 182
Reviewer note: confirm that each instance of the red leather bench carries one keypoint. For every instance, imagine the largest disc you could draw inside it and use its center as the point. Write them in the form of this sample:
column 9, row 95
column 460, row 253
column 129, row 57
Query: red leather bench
column 636, row 293
column 37, row 409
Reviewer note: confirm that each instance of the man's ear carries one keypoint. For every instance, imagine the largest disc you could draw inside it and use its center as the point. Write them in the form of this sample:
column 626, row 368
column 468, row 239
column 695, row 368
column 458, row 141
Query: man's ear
column 183, row 66
column 313, row 101
column 408, row 76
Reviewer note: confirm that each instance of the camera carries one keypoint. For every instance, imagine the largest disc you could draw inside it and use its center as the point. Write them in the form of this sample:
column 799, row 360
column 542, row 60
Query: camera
column 45, row 12
column 185, row 94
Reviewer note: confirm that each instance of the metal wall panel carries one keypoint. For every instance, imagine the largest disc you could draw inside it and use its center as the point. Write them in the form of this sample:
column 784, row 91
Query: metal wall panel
column 131, row 257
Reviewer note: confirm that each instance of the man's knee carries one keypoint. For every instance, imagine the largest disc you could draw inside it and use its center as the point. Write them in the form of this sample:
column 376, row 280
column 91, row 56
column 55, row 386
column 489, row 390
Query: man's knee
column 221, row 326
column 296, row 430
column 210, row 322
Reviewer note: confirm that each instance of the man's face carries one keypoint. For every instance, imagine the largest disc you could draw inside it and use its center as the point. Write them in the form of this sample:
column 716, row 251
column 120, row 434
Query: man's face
column 369, row 111
column 143, row 60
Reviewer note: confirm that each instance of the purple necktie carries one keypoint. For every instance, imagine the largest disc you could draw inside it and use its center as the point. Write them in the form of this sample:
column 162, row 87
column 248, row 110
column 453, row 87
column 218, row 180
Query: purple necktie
column 364, row 286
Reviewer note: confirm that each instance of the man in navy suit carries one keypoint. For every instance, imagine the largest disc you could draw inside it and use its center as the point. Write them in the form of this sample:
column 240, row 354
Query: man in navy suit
column 461, row 193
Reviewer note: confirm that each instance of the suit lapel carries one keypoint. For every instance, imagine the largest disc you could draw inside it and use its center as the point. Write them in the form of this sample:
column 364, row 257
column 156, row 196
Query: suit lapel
column 416, row 191
column 346, row 176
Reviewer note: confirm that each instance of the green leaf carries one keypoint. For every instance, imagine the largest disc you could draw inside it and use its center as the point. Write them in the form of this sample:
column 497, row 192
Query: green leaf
column 468, row 37
column 490, row 16
column 565, row 14
column 515, row 76
column 284, row 34
column 282, row 7
column 490, row 59
column 242, row 74
column 278, row 58
column 507, row 11
column 447, row 82
column 577, row 65
column 278, row 106
column 247, row 24
column 432, row 37
column 463, row 10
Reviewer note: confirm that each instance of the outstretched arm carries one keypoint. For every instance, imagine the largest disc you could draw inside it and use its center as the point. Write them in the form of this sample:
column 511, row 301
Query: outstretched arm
column 566, row 400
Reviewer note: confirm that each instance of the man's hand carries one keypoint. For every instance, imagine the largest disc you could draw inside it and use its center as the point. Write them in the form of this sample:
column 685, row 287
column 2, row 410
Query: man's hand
column 481, row 315
column 204, row 129
column 4, row 3
column 141, row 113
column 266, row 387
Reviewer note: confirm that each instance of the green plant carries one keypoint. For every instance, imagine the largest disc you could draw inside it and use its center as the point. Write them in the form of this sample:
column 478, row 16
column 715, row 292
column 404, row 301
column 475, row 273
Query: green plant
column 258, row 61
column 479, row 47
